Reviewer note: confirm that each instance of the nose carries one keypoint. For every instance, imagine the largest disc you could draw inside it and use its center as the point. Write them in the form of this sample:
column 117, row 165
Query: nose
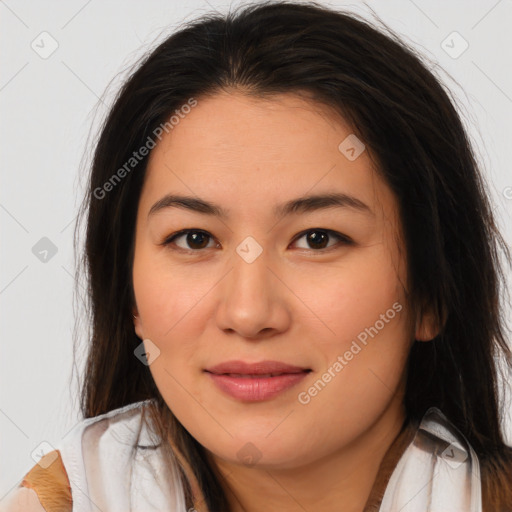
column 253, row 302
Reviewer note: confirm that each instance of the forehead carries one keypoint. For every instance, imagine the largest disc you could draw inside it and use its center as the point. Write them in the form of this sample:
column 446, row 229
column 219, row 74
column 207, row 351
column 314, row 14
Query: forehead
column 249, row 149
column 233, row 124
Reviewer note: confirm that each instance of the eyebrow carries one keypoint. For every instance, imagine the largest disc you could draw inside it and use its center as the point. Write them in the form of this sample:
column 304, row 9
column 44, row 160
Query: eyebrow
column 304, row 204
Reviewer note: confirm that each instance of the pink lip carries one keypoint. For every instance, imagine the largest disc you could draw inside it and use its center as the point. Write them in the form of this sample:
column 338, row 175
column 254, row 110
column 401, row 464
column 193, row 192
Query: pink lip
column 252, row 382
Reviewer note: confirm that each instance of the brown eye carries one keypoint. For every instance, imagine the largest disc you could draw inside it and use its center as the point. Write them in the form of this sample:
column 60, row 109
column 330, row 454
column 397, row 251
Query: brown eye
column 318, row 239
column 193, row 239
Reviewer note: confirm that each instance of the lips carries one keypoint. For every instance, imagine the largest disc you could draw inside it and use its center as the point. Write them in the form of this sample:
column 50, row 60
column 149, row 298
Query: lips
column 254, row 382
column 263, row 368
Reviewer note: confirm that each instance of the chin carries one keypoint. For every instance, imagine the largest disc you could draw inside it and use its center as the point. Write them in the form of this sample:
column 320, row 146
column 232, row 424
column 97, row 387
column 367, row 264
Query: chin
column 263, row 452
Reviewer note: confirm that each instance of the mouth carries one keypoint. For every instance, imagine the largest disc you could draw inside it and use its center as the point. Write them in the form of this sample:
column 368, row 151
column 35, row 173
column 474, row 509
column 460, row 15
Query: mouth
column 262, row 368
column 254, row 375
column 254, row 382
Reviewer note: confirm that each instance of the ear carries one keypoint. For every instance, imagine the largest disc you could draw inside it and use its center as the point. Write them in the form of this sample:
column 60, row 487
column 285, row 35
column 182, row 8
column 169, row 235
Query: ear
column 427, row 326
column 137, row 324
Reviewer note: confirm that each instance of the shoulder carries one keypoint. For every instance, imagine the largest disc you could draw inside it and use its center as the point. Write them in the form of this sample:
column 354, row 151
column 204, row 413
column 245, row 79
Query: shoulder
column 22, row 499
column 101, row 448
column 47, row 488
column 123, row 426
column 110, row 437
column 496, row 473
column 122, row 462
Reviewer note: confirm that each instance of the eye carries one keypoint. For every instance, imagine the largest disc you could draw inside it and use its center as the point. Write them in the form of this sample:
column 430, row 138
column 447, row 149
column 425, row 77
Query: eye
column 318, row 238
column 196, row 239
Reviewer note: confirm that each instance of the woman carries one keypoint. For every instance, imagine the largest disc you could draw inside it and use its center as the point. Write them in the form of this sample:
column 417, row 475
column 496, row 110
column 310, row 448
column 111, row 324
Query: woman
column 294, row 283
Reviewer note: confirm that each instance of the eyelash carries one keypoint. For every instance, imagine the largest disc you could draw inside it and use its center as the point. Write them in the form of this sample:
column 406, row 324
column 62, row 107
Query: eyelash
column 168, row 241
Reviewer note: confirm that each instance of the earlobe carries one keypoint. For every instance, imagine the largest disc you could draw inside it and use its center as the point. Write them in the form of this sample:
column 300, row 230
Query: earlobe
column 137, row 324
column 427, row 327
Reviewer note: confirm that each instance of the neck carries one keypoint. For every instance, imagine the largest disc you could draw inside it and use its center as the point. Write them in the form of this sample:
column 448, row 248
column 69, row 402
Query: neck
column 344, row 477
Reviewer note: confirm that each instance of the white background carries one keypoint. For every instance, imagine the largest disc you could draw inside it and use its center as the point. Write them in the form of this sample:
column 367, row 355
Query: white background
column 47, row 110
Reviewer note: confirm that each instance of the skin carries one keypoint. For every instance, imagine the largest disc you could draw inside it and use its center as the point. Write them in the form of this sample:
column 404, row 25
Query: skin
column 295, row 303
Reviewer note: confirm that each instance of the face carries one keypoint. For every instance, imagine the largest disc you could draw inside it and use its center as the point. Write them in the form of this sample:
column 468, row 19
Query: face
column 316, row 289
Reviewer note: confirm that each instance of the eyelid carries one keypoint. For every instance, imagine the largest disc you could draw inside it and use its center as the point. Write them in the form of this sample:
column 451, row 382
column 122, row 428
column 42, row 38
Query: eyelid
column 340, row 236
column 344, row 239
column 169, row 239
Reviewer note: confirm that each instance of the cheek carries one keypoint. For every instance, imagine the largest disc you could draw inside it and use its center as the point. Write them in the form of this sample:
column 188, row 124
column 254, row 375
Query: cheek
column 355, row 296
column 171, row 304
column 167, row 301
column 365, row 348
column 166, row 298
column 362, row 373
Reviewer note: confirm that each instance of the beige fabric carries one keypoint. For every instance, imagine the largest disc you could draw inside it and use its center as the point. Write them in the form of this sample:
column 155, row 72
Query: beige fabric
column 44, row 488
column 49, row 479
column 22, row 499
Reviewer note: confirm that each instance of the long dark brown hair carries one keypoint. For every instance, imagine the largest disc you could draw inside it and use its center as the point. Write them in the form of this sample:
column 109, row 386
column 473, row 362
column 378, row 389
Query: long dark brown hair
column 383, row 88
